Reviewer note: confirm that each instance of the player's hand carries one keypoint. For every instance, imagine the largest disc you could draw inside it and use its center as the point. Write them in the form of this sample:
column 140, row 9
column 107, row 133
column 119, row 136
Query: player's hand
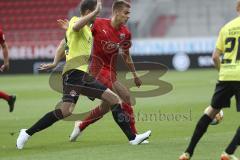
column 63, row 23
column 44, row 67
column 137, row 81
column 4, row 67
column 99, row 6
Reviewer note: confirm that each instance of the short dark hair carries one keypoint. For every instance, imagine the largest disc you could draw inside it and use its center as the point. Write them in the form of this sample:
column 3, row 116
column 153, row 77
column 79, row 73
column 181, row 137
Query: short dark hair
column 119, row 4
column 87, row 5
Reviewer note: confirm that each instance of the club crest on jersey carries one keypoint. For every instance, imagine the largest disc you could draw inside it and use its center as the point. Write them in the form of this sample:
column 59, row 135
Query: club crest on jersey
column 122, row 36
column 73, row 93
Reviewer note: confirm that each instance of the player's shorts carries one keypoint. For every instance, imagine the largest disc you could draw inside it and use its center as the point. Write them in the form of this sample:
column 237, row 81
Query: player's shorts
column 76, row 82
column 105, row 76
column 224, row 91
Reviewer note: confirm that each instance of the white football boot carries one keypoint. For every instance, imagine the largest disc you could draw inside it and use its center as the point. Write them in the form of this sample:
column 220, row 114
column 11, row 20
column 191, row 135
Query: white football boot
column 22, row 139
column 140, row 138
column 76, row 132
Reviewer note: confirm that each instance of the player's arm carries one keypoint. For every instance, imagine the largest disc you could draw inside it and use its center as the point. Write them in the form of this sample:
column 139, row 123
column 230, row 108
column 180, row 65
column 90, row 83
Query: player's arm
column 129, row 62
column 84, row 20
column 60, row 54
column 5, row 65
column 216, row 58
column 218, row 50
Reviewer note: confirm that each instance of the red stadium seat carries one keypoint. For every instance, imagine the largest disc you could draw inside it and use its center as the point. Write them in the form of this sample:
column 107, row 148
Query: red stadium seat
column 29, row 19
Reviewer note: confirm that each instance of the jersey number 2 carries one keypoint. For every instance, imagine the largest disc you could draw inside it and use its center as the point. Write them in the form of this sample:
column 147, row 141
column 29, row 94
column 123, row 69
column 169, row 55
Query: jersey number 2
column 232, row 42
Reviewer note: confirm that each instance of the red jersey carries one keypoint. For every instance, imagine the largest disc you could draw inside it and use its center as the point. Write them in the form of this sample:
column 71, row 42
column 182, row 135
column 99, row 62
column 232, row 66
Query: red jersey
column 2, row 38
column 108, row 42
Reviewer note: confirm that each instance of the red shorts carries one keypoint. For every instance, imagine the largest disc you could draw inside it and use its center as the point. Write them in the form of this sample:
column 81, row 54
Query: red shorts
column 105, row 76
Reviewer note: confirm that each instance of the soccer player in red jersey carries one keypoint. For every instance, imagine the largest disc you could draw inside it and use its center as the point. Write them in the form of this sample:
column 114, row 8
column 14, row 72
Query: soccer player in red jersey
column 111, row 37
column 9, row 98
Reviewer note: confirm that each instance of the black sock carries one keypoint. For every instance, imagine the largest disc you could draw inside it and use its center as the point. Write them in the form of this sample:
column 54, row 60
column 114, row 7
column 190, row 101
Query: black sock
column 235, row 142
column 123, row 121
column 45, row 121
column 200, row 129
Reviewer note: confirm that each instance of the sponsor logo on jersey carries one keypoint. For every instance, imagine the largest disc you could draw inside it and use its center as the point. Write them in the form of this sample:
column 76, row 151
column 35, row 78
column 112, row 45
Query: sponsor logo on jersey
column 111, row 47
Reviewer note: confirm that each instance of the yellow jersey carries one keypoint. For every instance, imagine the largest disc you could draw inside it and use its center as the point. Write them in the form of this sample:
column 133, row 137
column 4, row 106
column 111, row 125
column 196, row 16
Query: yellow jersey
column 228, row 43
column 79, row 46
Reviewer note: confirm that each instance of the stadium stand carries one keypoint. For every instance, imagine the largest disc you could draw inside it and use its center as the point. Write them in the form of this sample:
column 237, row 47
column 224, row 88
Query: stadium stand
column 34, row 20
column 180, row 18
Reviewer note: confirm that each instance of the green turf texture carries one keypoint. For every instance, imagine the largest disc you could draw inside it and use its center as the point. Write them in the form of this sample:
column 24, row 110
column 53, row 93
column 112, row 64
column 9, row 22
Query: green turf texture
column 191, row 93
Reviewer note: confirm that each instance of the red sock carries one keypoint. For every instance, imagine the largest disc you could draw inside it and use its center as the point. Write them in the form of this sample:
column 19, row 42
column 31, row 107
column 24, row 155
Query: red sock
column 129, row 110
column 96, row 114
column 4, row 96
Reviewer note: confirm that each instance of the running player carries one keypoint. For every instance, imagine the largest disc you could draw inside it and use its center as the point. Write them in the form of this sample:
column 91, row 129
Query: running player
column 9, row 98
column 111, row 36
column 228, row 86
column 76, row 81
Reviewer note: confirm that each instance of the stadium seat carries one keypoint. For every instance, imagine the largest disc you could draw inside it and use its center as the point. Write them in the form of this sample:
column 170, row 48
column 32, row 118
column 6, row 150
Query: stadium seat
column 35, row 17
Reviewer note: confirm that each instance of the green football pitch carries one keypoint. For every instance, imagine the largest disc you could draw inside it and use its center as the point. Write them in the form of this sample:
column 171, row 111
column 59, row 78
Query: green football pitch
column 171, row 117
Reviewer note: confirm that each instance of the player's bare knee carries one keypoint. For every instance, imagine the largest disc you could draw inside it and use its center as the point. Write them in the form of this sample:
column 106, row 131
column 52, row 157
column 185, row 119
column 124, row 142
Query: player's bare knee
column 212, row 112
column 67, row 109
column 111, row 97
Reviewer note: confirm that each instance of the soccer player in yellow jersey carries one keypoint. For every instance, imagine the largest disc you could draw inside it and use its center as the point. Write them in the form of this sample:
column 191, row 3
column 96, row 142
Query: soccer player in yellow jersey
column 77, row 81
column 227, row 47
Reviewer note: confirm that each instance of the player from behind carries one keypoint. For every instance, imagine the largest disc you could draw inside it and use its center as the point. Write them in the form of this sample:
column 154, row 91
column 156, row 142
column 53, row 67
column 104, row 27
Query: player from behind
column 9, row 98
column 77, row 81
column 111, row 36
column 228, row 46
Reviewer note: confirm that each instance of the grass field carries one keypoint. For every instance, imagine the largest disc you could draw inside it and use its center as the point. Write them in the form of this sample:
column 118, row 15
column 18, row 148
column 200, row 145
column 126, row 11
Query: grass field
column 191, row 93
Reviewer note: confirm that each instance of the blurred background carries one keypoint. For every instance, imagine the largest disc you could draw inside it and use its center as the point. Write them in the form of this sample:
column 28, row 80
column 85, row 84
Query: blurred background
column 180, row 34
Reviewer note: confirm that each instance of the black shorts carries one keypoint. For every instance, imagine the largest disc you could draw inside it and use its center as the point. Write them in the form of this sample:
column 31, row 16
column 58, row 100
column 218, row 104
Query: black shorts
column 224, row 91
column 76, row 82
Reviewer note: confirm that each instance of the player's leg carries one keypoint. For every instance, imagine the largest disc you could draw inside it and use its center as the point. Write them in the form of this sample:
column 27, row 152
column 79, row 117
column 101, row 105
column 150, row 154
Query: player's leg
column 115, row 102
column 10, row 99
column 86, row 85
column 108, row 79
column 4, row 96
column 96, row 114
column 103, row 76
column 199, row 131
column 124, row 94
column 65, row 108
column 93, row 88
column 120, row 118
column 46, row 121
column 105, row 107
column 50, row 118
column 231, row 148
column 221, row 97
column 228, row 154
